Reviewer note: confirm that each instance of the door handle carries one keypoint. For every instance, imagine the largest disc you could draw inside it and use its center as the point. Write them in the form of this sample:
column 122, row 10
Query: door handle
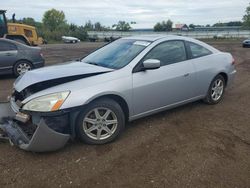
column 186, row 75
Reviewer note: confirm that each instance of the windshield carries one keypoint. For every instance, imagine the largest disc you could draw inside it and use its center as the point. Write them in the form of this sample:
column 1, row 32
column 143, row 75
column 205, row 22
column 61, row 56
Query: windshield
column 116, row 54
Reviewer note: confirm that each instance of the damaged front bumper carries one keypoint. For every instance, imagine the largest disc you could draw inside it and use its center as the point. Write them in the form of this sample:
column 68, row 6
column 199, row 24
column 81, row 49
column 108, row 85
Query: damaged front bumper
column 32, row 133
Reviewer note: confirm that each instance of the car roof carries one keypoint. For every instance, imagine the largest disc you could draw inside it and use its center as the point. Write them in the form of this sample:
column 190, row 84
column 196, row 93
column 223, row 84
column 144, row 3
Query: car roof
column 20, row 45
column 9, row 41
column 155, row 37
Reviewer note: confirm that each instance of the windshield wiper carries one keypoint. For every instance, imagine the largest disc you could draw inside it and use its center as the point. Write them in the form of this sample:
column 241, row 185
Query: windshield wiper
column 92, row 63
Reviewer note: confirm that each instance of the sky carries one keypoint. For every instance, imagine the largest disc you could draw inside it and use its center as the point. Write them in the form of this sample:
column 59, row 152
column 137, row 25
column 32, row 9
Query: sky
column 144, row 12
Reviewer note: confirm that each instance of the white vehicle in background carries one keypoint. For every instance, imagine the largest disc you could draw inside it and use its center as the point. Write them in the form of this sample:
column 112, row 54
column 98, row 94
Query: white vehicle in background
column 246, row 43
column 68, row 39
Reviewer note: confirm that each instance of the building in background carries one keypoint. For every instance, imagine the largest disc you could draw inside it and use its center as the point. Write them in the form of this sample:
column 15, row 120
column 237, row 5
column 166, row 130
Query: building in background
column 181, row 27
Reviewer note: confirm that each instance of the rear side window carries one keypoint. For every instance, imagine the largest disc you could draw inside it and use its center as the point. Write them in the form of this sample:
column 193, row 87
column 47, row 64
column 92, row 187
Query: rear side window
column 168, row 52
column 198, row 50
column 5, row 46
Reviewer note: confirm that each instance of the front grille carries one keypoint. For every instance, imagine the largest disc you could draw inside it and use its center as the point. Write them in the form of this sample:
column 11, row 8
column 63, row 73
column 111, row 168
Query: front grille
column 28, row 128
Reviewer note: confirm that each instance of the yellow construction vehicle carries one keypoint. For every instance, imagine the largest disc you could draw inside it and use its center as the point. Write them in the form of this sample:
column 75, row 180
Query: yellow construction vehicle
column 22, row 33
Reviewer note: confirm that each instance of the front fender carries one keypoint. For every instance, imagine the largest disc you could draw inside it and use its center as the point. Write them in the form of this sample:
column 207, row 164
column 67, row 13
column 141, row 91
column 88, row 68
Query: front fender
column 103, row 94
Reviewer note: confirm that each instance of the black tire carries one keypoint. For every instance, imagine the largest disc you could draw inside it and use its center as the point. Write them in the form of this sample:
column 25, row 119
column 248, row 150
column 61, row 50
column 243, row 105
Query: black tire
column 209, row 98
column 16, row 66
column 101, row 103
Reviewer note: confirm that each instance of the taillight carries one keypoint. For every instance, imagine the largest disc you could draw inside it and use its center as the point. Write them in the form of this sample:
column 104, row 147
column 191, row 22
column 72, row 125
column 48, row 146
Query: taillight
column 233, row 61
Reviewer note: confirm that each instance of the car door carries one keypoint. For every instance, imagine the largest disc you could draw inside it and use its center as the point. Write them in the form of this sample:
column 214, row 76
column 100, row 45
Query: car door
column 8, row 53
column 172, row 83
column 203, row 62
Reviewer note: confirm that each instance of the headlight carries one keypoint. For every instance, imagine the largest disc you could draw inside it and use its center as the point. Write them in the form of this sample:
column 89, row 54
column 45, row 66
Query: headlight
column 47, row 103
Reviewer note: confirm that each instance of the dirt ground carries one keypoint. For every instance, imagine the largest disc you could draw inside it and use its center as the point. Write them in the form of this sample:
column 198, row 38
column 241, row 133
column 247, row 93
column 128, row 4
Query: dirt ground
column 191, row 146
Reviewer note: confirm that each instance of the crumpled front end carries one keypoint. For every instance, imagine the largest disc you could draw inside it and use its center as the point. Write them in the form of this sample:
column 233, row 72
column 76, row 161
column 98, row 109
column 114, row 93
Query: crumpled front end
column 37, row 132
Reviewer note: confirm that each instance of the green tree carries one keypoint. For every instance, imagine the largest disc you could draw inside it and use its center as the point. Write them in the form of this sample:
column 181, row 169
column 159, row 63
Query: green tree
column 81, row 33
column 164, row 26
column 246, row 18
column 219, row 24
column 53, row 19
column 158, row 27
column 235, row 23
column 228, row 24
column 191, row 26
column 122, row 26
column 98, row 26
column 89, row 26
column 29, row 21
column 169, row 25
column 73, row 27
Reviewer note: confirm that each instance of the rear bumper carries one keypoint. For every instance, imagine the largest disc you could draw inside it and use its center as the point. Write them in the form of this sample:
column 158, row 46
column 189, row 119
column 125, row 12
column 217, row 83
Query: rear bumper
column 231, row 77
column 34, row 135
column 39, row 64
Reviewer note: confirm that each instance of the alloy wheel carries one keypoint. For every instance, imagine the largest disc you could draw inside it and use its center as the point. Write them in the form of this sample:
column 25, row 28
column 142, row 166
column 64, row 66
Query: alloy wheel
column 217, row 89
column 22, row 68
column 100, row 123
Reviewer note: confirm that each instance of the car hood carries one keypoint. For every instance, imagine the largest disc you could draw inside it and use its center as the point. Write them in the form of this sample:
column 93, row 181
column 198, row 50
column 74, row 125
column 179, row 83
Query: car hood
column 60, row 71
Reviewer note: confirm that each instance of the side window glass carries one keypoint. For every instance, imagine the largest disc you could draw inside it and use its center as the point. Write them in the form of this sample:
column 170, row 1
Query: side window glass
column 198, row 50
column 11, row 46
column 168, row 52
column 4, row 46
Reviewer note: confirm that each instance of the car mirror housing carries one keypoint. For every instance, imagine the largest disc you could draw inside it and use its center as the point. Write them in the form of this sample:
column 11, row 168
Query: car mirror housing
column 151, row 64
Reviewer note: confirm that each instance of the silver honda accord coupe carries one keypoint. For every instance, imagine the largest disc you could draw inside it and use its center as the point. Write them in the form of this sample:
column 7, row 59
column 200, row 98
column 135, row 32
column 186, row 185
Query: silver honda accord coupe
column 130, row 78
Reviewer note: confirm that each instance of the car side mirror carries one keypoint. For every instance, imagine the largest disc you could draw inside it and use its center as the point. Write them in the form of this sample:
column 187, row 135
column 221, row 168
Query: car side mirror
column 151, row 64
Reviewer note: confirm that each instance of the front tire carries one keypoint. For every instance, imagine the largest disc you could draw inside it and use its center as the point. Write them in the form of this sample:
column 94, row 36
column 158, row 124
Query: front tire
column 101, row 122
column 216, row 90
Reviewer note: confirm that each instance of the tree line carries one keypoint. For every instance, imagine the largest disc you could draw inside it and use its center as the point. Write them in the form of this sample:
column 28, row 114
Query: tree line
column 54, row 25
column 245, row 23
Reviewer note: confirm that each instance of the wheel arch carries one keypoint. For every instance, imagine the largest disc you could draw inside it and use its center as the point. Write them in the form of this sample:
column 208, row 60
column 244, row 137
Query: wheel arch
column 117, row 98
column 19, row 60
column 225, row 76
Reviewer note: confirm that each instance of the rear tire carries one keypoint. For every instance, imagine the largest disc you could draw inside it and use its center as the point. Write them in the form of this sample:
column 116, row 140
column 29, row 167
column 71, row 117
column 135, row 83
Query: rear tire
column 216, row 90
column 101, row 122
column 21, row 67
